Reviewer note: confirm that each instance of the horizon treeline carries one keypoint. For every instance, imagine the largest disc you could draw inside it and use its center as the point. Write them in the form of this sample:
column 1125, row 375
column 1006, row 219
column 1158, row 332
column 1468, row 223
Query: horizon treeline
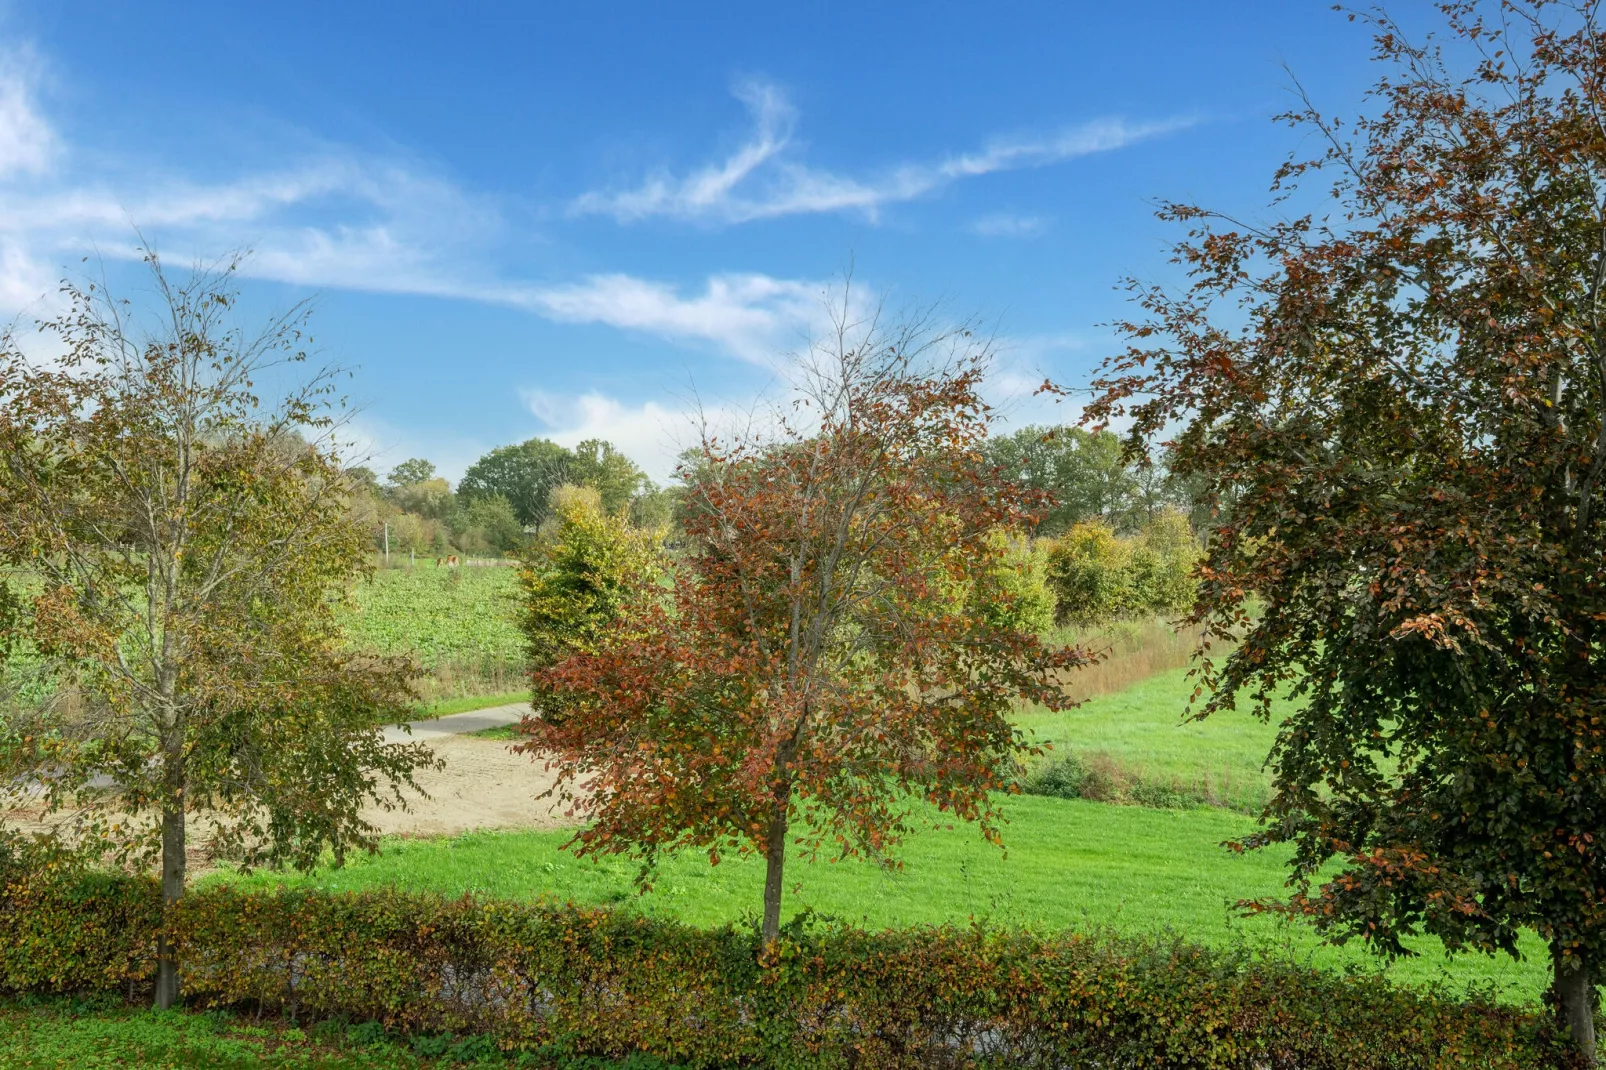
column 505, row 496
column 502, row 499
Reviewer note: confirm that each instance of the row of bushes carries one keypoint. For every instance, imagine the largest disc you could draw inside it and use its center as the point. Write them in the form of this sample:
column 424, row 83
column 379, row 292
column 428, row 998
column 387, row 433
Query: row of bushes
column 1100, row 777
column 564, row 979
column 1096, row 575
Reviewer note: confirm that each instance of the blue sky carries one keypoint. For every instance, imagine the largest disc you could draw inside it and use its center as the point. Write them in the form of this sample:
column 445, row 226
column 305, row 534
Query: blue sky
column 568, row 220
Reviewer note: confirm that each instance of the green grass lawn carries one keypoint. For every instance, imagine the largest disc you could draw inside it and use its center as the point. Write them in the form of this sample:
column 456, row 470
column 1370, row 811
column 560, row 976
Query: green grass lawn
column 1142, row 727
column 1070, row 864
column 86, row 1036
column 477, row 702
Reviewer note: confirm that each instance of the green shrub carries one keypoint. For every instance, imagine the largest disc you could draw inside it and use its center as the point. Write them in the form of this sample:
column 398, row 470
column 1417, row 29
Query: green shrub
column 1102, row 778
column 1090, row 571
column 493, row 518
column 78, row 933
column 1065, row 777
column 1162, row 564
column 1098, row 576
column 1016, row 594
column 583, row 566
column 569, row 983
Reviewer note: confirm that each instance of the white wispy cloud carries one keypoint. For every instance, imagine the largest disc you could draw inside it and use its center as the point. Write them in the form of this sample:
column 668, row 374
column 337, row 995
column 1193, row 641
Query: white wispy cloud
column 347, row 220
column 393, row 230
column 652, row 434
column 753, row 317
column 1008, row 225
column 761, row 179
column 27, row 143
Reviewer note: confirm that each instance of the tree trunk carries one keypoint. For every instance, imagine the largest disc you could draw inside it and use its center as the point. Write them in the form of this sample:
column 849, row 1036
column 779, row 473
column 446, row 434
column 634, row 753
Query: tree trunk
column 167, row 989
column 775, row 857
column 1574, row 1000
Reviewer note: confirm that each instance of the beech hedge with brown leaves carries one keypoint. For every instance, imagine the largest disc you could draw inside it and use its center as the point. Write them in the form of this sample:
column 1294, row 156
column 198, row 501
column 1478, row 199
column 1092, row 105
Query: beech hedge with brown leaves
column 572, row 980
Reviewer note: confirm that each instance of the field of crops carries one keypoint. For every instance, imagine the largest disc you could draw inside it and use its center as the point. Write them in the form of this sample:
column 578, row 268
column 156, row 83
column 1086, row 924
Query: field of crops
column 458, row 623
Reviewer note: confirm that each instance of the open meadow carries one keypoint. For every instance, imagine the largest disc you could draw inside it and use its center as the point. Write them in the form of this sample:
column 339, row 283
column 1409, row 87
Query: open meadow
column 1067, row 863
column 624, row 539
column 457, row 622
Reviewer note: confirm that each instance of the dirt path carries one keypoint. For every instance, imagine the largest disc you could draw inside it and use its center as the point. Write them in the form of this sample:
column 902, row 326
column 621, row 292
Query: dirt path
column 482, row 786
column 457, row 724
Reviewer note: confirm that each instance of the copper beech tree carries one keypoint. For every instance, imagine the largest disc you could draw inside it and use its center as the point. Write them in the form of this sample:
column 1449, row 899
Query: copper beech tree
column 819, row 667
column 1398, row 404
column 173, row 550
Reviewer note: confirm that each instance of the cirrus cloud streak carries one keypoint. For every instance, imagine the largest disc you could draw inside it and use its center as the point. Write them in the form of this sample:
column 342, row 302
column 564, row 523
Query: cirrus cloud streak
column 762, row 179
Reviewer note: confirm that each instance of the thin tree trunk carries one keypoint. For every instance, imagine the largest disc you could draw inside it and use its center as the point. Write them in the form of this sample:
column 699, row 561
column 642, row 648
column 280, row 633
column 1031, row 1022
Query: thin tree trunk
column 1574, row 992
column 775, row 858
column 167, row 987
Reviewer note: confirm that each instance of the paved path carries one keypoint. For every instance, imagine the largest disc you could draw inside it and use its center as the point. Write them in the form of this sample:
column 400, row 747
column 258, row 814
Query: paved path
column 458, row 724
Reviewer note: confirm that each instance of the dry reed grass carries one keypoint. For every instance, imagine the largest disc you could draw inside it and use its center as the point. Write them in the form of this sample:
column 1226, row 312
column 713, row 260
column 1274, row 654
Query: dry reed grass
column 1133, row 651
column 452, row 679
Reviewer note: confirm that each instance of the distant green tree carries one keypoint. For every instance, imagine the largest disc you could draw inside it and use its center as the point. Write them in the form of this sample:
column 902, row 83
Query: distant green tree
column 1084, row 473
column 615, row 477
column 362, row 480
column 410, row 472
column 691, row 467
column 432, row 499
column 410, row 533
column 524, row 475
column 495, row 520
column 652, row 508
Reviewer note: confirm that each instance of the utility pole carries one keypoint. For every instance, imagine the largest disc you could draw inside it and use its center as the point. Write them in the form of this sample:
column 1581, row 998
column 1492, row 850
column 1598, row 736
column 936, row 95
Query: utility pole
column 387, row 544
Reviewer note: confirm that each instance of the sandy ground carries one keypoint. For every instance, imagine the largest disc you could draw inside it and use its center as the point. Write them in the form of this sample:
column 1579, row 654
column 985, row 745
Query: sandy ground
column 482, row 786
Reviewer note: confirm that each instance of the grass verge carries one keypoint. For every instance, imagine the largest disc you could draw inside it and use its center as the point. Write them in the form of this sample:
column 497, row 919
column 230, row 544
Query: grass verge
column 1139, row 736
column 102, row 1033
column 93, row 1034
column 1069, row 865
column 477, row 702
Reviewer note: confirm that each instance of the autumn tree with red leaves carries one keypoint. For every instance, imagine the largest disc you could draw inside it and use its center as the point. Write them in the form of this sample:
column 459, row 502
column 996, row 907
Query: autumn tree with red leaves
column 820, row 667
column 1398, row 404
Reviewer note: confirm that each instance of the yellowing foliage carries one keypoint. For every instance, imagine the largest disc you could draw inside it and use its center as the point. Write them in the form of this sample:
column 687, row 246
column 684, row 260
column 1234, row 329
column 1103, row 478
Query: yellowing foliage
column 1097, row 575
column 582, row 567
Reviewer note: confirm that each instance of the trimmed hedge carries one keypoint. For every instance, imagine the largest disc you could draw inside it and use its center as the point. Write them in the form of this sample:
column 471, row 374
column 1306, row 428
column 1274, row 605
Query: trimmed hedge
column 585, row 981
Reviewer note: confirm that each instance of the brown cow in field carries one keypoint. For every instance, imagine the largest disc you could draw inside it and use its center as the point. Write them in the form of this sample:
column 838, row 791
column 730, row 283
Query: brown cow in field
column 447, row 562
